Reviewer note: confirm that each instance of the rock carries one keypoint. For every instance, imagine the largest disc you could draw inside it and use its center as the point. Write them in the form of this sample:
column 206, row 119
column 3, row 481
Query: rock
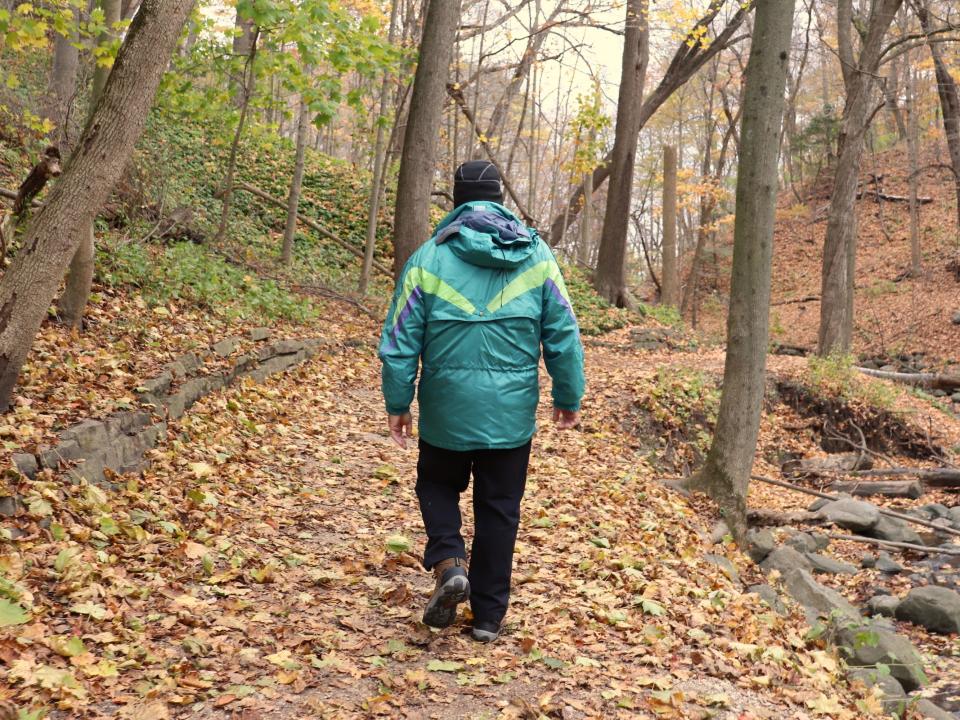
column 956, row 318
column 26, row 464
column 817, row 600
column 955, row 516
column 927, row 709
column 760, row 543
column 868, row 560
column 129, row 422
column 829, row 565
column 770, row 597
column 887, row 564
column 719, row 532
column 822, row 540
column 871, row 643
column 785, row 559
column 226, row 346
column 955, row 397
column 895, row 530
column 802, row 542
column 10, row 505
column 936, row 510
column 851, row 514
column 894, row 697
column 884, row 605
column 289, row 347
column 822, row 502
column 725, row 565
column 88, row 434
column 258, row 334
column 158, row 386
column 889, row 368
column 50, row 457
column 938, row 393
column 184, row 365
column 935, row 608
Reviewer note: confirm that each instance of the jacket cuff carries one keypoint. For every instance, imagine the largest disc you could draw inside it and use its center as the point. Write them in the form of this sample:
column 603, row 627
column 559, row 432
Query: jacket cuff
column 397, row 410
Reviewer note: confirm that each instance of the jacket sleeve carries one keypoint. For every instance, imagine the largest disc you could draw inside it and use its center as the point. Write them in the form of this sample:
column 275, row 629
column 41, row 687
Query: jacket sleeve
column 562, row 349
column 402, row 341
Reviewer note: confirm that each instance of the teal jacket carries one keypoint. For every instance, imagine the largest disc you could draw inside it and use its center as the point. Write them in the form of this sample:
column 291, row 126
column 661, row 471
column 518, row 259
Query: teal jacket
column 474, row 304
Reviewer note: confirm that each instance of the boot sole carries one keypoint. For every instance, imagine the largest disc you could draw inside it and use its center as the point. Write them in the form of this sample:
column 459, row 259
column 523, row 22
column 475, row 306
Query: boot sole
column 441, row 610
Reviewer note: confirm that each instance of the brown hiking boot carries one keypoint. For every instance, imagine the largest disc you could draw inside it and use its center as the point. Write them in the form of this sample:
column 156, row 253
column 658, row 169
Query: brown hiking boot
column 452, row 589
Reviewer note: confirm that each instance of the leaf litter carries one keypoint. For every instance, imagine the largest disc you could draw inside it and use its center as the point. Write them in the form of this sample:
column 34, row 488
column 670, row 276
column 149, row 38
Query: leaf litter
column 266, row 566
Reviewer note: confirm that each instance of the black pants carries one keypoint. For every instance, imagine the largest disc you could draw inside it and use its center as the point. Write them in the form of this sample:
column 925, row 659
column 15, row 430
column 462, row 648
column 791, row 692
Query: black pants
column 499, row 478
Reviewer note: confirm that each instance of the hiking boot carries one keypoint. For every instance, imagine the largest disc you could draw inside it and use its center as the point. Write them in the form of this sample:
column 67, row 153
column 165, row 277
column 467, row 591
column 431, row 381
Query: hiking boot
column 485, row 631
column 451, row 590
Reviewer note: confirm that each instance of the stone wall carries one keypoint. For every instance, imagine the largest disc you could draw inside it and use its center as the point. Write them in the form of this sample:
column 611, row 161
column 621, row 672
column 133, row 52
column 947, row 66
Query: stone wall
column 94, row 449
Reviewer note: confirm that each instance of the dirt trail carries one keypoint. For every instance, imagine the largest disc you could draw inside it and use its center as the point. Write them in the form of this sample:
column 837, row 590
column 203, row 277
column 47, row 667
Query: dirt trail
column 608, row 585
column 279, row 578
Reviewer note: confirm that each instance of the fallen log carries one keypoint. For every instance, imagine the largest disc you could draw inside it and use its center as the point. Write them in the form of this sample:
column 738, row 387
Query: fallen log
column 763, row 516
column 933, row 477
column 930, row 550
column 865, row 488
column 837, row 463
column 933, row 381
column 254, row 190
column 883, row 511
column 892, row 198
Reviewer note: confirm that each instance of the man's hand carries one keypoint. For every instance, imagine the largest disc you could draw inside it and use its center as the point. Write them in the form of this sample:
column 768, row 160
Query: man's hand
column 401, row 427
column 566, row 419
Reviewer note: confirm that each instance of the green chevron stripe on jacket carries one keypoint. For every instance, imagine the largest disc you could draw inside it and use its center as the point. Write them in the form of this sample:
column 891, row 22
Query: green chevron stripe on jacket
column 472, row 311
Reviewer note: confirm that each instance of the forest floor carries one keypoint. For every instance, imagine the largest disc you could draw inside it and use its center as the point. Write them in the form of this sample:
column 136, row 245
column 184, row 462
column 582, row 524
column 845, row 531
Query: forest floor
column 266, row 566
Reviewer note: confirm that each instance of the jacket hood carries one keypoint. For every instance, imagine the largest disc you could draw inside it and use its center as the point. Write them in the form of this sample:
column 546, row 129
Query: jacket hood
column 486, row 234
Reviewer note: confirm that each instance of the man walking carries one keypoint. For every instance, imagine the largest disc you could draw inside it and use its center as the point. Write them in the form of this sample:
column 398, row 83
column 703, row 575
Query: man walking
column 473, row 307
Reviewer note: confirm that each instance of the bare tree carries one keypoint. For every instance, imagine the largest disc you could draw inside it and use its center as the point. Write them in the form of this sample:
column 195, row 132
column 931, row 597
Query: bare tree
column 840, row 243
column 669, row 277
column 30, row 283
column 949, row 97
column 296, row 183
column 73, row 302
column 417, row 163
column 611, row 276
column 690, row 56
column 63, row 83
column 725, row 475
column 379, row 165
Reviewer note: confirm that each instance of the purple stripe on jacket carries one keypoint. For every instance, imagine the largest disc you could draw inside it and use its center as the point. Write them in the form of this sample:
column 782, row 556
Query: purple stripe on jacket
column 559, row 296
column 416, row 295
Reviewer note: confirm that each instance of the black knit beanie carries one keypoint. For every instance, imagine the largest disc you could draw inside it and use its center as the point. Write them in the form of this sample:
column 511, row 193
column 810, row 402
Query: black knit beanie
column 477, row 180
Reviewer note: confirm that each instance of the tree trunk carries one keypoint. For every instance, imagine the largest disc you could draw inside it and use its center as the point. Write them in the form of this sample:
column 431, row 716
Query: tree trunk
column 611, row 276
column 379, row 165
column 668, row 248
column 689, row 57
column 73, row 302
column 417, row 163
column 586, row 220
column 840, row 243
column 949, row 100
column 725, row 475
column 293, row 199
column 243, row 46
column 63, row 85
column 29, row 285
column 249, row 84
column 913, row 153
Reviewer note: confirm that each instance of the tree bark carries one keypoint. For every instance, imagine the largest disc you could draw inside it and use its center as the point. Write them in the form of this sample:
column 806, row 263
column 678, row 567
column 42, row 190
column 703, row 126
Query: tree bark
column 63, row 85
column 668, row 248
column 417, row 163
column 949, row 99
column 243, row 46
column 897, row 488
column 725, row 475
column 586, row 222
column 293, row 199
column 73, row 302
column 689, row 57
column 611, row 275
column 840, row 243
column 29, row 285
column 913, row 153
column 379, row 165
column 249, row 85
